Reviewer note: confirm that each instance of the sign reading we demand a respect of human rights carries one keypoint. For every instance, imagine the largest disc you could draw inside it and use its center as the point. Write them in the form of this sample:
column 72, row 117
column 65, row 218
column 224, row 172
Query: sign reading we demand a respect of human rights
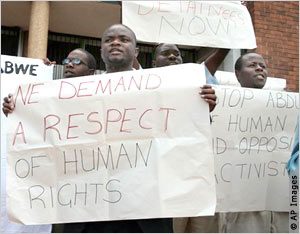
column 128, row 145
column 221, row 24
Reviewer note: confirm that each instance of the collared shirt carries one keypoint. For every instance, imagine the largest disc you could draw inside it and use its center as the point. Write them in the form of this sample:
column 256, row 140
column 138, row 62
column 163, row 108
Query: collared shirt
column 210, row 79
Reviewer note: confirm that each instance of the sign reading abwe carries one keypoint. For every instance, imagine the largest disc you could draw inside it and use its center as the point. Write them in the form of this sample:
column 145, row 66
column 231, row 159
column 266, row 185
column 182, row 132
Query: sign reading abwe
column 253, row 135
column 218, row 24
column 128, row 145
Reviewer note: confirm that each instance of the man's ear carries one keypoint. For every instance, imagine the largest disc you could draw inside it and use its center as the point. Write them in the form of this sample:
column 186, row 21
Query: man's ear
column 137, row 50
column 153, row 63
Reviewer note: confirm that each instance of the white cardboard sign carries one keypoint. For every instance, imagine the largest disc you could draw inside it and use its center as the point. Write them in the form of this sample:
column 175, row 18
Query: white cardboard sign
column 221, row 24
column 14, row 71
column 253, row 134
column 128, row 145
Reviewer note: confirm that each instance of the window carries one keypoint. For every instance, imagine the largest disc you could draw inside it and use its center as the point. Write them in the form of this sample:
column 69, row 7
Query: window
column 59, row 46
column 9, row 40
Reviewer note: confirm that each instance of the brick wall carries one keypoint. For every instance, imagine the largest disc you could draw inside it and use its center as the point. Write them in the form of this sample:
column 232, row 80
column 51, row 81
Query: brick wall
column 276, row 26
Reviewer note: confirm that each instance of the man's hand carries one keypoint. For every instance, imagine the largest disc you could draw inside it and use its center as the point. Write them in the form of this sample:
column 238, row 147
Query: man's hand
column 244, row 3
column 48, row 62
column 8, row 105
column 208, row 94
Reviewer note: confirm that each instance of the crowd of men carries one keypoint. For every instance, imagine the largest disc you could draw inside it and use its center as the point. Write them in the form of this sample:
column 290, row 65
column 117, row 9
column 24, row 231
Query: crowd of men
column 119, row 52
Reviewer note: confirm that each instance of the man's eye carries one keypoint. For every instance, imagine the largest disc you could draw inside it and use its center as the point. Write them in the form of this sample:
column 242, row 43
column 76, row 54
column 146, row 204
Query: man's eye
column 252, row 65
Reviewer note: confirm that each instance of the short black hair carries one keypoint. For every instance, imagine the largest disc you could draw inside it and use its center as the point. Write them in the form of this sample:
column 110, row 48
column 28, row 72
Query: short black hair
column 159, row 46
column 238, row 63
column 123, row 25
column 91, row 59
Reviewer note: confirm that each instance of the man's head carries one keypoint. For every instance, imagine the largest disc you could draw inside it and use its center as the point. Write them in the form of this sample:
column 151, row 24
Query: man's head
column 79, row 62
column 166, row 55
column 251, row 71
column 118, row 48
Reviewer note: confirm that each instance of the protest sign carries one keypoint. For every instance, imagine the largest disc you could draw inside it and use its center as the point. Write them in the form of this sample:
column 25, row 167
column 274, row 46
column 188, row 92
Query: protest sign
column 253, row 134
column 14, row 71
column 127, row 145
column 218, row 24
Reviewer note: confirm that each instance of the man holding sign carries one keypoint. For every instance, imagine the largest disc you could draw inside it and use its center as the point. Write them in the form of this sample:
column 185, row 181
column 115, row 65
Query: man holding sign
column 118, row 52
column 166, row 55
column 251, row 72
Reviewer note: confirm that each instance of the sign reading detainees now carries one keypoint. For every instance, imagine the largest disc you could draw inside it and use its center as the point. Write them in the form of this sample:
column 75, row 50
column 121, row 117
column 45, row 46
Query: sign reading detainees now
column 128, row 145
column 218, row 24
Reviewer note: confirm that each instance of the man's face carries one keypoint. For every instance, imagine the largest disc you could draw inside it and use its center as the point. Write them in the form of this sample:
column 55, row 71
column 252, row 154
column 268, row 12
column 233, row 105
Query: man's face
column 166, row 55
column 75, row 70
column 253, row 72
column 118, row 47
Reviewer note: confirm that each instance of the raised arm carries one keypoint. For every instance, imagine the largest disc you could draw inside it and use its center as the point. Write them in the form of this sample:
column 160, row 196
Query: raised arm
column 215, row 59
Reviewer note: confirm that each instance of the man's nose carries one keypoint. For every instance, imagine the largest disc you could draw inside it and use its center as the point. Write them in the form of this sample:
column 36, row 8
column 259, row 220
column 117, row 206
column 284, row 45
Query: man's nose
column 69, row 65
column 115, row 42
column 172, row 56
column 258, row 68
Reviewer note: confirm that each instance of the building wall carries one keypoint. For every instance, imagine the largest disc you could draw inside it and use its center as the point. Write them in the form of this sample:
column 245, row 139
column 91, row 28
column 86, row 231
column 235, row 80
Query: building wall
column 276, row 26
